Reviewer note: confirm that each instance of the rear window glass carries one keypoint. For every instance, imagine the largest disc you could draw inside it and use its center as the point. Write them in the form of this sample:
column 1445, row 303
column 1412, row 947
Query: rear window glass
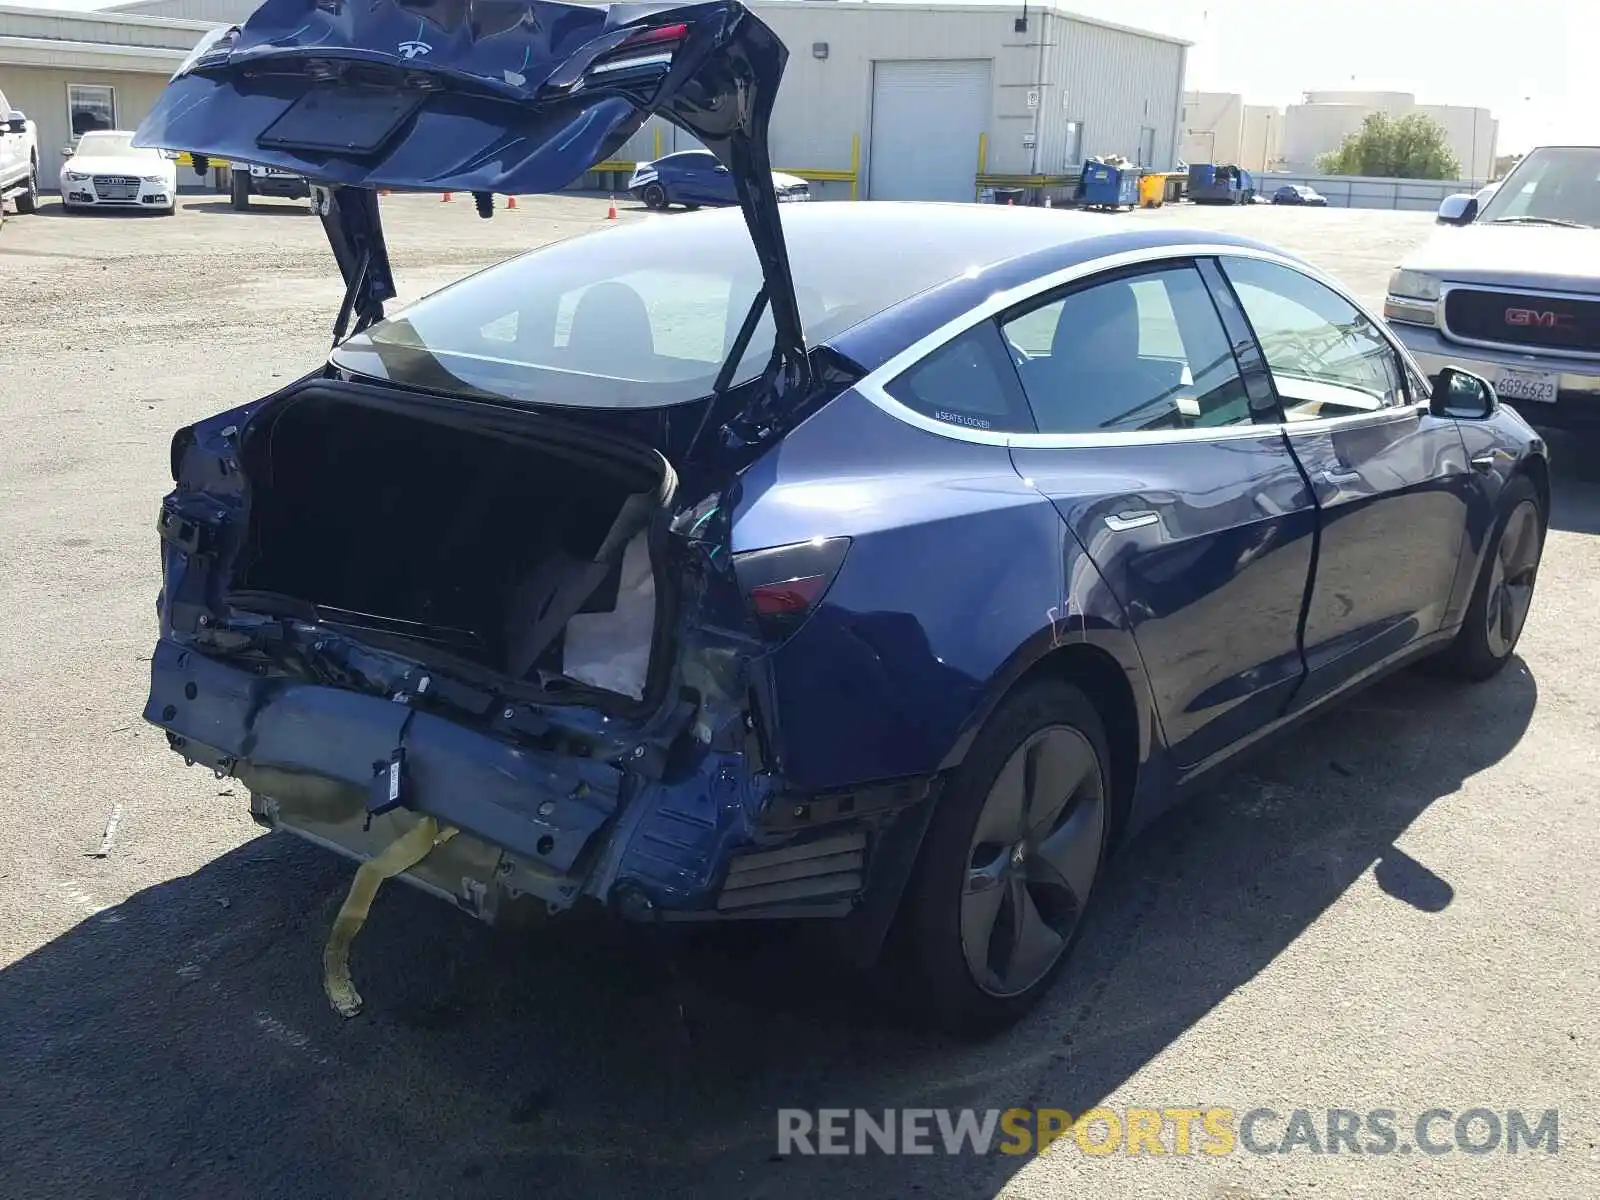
column 643, row 314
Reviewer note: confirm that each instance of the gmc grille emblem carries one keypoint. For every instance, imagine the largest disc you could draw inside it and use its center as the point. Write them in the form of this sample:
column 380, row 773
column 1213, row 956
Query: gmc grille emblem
column 1540, row 320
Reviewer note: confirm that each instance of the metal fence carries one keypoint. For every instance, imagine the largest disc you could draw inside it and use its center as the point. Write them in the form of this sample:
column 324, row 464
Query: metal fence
column 1364, row 191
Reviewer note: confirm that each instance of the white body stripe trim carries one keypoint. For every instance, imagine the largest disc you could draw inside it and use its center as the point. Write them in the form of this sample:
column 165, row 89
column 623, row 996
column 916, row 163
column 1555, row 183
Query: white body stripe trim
column 874, row 385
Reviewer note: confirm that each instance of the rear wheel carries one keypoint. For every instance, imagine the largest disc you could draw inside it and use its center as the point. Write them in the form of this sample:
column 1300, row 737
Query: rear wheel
column 1504, row 592
column 655, row 197
column 1010, row 860
column 240, row 186
column 28, row 200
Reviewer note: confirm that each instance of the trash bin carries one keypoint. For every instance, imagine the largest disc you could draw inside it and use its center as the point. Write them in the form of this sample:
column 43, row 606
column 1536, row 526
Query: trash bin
column 1012, row 195
column 1106, row 186
column 1152, row 191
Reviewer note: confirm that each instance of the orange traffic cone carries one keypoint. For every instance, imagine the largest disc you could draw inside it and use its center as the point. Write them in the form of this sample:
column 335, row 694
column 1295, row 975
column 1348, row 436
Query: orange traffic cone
column 445, row 199
column 511, row 201
column 611, row 213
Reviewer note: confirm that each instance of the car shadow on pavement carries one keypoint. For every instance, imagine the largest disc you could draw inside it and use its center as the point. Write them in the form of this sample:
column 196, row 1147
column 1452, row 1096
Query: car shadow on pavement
column 179, row 1044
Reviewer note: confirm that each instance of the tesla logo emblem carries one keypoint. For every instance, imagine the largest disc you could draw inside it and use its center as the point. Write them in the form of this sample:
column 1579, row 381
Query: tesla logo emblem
column 1534, row 318
column 414, row 49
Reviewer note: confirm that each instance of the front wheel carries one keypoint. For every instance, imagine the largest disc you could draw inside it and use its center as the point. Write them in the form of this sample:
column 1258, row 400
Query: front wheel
column 655, row 197
column 1504, row 592
column 28, row 201
column 1009, row 861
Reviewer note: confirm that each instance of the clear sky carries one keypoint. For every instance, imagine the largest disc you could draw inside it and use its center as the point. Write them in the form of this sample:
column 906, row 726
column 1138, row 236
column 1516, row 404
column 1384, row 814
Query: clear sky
column 1522, row 61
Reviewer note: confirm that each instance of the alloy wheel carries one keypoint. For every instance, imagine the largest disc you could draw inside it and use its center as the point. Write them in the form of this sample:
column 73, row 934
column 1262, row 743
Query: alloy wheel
column 1034, row 856
column 1516, row 562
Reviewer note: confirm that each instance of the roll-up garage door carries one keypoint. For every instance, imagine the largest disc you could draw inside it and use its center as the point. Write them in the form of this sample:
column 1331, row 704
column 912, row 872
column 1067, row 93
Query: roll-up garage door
column 926, row 118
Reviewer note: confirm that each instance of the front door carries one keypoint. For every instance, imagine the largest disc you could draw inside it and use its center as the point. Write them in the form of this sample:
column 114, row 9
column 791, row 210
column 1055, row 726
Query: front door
column 1196, row 515
column 1392, row 481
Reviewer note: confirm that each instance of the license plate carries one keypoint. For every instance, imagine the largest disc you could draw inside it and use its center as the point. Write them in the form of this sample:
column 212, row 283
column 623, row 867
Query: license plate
column 1540, row 387
column 342, row 120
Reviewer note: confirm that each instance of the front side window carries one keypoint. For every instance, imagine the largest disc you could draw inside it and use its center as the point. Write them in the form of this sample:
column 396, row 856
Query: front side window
column 91, row 106
column 1327, row 358
column 1142, row 352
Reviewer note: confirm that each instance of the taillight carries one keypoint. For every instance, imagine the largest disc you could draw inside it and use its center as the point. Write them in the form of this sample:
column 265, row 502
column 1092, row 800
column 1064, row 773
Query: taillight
column 784, row 585
column 646, row 48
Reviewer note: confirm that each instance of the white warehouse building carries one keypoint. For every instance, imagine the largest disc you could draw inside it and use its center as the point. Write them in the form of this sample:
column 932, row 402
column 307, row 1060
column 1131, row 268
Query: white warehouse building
column 881, row 100
column 1325, row 119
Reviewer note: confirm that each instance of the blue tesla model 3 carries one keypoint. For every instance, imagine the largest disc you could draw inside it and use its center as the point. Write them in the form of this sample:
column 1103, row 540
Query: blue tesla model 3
column 876, row 564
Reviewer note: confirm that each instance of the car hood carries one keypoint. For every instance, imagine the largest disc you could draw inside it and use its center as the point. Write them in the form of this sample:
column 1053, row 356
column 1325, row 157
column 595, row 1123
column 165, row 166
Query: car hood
column 486, row 96
column 112, row 165
column 1530, row 256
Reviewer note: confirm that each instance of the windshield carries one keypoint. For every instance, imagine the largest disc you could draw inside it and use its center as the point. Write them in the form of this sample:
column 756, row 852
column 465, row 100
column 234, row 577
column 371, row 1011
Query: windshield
column 1553, row 185
column 112, row 145
column 643, row 315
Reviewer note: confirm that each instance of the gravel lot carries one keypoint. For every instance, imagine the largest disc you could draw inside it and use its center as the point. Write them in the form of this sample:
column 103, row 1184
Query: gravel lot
column 1397, row 909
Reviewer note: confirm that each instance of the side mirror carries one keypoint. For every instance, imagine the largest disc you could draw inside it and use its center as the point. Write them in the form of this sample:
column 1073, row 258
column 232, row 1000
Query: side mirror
column 15, row 121
column 720, row 169
column 68, row 151
column 1459, row 209
column 1462, row 395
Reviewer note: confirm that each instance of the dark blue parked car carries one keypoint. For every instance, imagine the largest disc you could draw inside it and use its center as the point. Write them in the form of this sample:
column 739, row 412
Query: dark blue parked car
column 865, row 563
column 696, row 177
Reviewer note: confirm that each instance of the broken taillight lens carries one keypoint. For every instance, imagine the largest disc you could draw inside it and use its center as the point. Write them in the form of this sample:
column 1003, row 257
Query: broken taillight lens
column 784, row 585
column 646, row 48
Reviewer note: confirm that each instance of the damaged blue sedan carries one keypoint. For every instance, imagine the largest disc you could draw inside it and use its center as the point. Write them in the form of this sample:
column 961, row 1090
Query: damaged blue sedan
column 884, row 565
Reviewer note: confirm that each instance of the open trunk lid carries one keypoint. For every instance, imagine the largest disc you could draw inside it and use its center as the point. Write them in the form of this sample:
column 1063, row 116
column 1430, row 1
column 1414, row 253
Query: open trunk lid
column 486, row 96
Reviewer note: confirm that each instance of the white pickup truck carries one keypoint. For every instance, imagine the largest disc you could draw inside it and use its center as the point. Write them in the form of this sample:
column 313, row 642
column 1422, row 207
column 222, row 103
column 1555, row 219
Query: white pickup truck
column 1511, row 290
column 19, row 159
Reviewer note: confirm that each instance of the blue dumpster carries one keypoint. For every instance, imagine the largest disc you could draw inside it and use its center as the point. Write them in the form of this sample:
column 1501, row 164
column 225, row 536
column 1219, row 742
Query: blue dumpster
column 1105, row 186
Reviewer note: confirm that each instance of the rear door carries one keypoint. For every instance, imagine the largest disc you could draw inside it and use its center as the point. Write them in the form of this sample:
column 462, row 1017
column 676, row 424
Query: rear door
column 1392, row 481
column 1163, row 454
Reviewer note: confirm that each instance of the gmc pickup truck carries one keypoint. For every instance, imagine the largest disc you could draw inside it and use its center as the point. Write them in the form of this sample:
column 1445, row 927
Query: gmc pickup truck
column 19, row 159
column 1510, row 290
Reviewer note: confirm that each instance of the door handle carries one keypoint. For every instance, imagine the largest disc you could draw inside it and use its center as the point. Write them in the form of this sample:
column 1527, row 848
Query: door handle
column 1341, row 477
column 1123, row 521
column 1484, row 462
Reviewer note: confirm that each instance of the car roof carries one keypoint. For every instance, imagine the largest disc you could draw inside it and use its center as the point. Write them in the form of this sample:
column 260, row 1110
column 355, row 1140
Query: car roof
column 976, row 251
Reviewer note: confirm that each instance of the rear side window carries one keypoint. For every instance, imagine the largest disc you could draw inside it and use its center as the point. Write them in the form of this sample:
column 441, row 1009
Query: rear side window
column 967, row 382
column 1142, row 352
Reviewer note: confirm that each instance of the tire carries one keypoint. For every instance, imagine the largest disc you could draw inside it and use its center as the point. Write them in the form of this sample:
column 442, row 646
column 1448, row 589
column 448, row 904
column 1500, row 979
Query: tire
column 692, row 207
column 974, row 988
column 1503, row 594
column 28, row 201
column 655, row 198
column 240, row 187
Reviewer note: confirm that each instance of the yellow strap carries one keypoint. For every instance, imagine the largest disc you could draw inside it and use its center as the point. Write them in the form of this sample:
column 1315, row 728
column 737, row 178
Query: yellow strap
column 405, row 852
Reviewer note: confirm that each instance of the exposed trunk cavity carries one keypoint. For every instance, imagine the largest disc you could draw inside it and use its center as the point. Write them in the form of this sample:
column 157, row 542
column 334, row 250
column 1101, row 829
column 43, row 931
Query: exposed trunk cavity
column 458, row 532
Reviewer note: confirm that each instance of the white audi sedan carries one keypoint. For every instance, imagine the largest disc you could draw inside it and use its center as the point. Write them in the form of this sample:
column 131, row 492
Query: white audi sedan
column 105, row 170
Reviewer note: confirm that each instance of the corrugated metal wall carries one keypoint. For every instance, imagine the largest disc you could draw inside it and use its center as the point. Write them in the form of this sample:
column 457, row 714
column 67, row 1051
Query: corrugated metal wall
column 84, row 27
column 1114, row 82
column 1117, row 84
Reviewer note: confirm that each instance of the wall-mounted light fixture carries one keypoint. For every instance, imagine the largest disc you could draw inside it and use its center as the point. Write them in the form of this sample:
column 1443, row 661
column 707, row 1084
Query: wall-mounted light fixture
column 819, row 49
